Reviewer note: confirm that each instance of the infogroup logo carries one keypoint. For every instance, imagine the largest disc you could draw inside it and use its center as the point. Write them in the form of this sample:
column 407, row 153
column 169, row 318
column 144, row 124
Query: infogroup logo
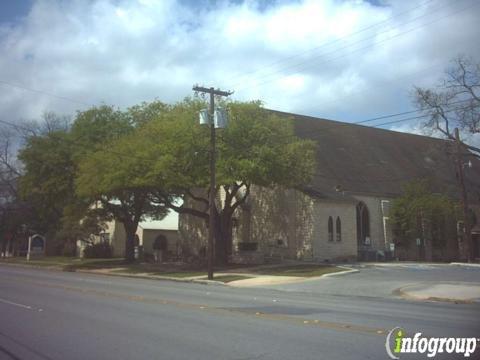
column 398, row 342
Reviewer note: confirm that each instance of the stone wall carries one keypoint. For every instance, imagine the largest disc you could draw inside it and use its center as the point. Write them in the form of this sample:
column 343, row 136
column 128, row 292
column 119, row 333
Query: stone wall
column 326, row 249
column 281, row 223
column 289, row 225
column 279, row 220
column 285, row 224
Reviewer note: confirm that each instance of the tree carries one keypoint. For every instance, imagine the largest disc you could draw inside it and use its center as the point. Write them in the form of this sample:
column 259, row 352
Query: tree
column 103, row 175
column 420, row 213
column 171, row 155
column 47, row 181
column 98, row 180
column 455, row 102
column 12, row 209
column 50, row 159
column 52, row 155
column 50, row 123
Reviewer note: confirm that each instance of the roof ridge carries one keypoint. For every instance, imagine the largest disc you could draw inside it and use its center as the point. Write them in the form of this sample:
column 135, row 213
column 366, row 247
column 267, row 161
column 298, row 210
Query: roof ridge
column 343, row 123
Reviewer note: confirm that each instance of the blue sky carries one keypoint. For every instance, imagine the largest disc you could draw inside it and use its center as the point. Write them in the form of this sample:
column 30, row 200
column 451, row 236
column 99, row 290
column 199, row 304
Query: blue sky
column 345, row 60
column 12, row 10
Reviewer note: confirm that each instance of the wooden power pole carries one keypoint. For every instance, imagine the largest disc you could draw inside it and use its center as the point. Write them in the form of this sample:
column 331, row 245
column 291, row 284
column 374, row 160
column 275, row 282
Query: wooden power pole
column 211, row 199
column 467, row 239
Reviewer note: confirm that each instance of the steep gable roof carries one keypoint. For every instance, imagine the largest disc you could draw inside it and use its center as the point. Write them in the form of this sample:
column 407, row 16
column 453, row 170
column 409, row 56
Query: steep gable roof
column 360, row 159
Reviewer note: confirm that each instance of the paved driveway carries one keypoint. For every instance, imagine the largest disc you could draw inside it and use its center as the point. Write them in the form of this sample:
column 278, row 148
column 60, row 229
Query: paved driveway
column 381, row 280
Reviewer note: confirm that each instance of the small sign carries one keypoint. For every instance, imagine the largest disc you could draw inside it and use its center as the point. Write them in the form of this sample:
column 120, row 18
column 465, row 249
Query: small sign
column 38, row 243
column 392, row 247
column 36, row 246
column 367, row 240
column 419, row 241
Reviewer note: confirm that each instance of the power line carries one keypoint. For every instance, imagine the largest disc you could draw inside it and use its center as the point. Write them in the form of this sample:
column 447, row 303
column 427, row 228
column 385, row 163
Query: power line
column 76, row 141
column 337, row 40
column 83, row 103
column 306, row 64
column 412, row 111
column 340, row 123
column 43, row 92
column 382, row 84
column 328, row 43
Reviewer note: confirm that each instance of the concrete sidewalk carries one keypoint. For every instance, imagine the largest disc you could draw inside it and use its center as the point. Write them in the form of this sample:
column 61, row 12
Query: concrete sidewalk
column 458, row 292
column 266, row 280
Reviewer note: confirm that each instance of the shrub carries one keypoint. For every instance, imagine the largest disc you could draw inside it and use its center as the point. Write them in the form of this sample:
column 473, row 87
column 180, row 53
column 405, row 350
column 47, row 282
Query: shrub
column 96, row 251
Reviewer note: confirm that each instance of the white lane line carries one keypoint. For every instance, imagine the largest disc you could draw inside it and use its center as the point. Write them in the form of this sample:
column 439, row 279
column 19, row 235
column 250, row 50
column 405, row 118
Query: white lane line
column 16, row 304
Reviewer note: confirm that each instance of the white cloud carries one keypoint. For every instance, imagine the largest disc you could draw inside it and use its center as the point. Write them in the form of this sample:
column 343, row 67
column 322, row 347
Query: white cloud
column 125, row 51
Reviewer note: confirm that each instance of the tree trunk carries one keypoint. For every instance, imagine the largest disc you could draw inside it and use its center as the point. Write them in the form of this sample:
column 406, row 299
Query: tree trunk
column 130, row 230
column 223, row 239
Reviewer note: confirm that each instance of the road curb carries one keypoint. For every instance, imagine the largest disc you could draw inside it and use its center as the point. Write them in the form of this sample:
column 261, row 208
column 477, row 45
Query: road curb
column 146, row 277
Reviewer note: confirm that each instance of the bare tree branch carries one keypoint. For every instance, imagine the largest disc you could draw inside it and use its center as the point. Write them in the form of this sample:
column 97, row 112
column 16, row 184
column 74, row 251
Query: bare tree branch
column 457, row 101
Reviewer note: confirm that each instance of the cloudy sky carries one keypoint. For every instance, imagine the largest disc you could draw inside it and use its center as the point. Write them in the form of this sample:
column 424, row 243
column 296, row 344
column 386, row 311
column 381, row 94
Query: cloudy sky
column 341, row 59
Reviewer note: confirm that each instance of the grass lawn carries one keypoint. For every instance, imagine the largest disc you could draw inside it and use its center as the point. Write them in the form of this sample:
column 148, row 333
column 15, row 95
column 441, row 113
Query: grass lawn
column 307, row 270
column 152, row 270
column 72, row 264
column 176, row 271
column 46, row 261
column 180, row 274
column 68, row 263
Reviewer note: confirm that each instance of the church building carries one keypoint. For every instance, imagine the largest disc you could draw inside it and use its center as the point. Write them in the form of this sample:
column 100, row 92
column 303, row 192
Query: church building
column 343, row 214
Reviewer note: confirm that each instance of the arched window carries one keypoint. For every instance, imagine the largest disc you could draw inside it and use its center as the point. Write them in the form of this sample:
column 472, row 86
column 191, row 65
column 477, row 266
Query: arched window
column 363, row 224
column 338, row 229
column 330, row 229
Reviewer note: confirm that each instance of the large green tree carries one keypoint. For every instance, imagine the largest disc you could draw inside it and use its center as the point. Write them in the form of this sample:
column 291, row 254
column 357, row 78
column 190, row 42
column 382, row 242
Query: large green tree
column 51, row 163
column 101, row 176
column 169, row 156
column 47, row 181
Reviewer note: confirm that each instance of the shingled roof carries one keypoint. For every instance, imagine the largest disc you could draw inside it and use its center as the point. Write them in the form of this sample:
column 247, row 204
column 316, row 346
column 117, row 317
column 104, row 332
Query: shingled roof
column 359, row 159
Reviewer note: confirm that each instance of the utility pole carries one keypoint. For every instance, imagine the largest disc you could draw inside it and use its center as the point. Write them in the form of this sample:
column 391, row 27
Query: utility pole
column 467, row 239
column 211, row 199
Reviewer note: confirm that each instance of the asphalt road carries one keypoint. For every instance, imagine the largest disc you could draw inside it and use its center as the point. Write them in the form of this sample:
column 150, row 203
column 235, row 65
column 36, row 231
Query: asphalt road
column 381, row 280
column 54, row 315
